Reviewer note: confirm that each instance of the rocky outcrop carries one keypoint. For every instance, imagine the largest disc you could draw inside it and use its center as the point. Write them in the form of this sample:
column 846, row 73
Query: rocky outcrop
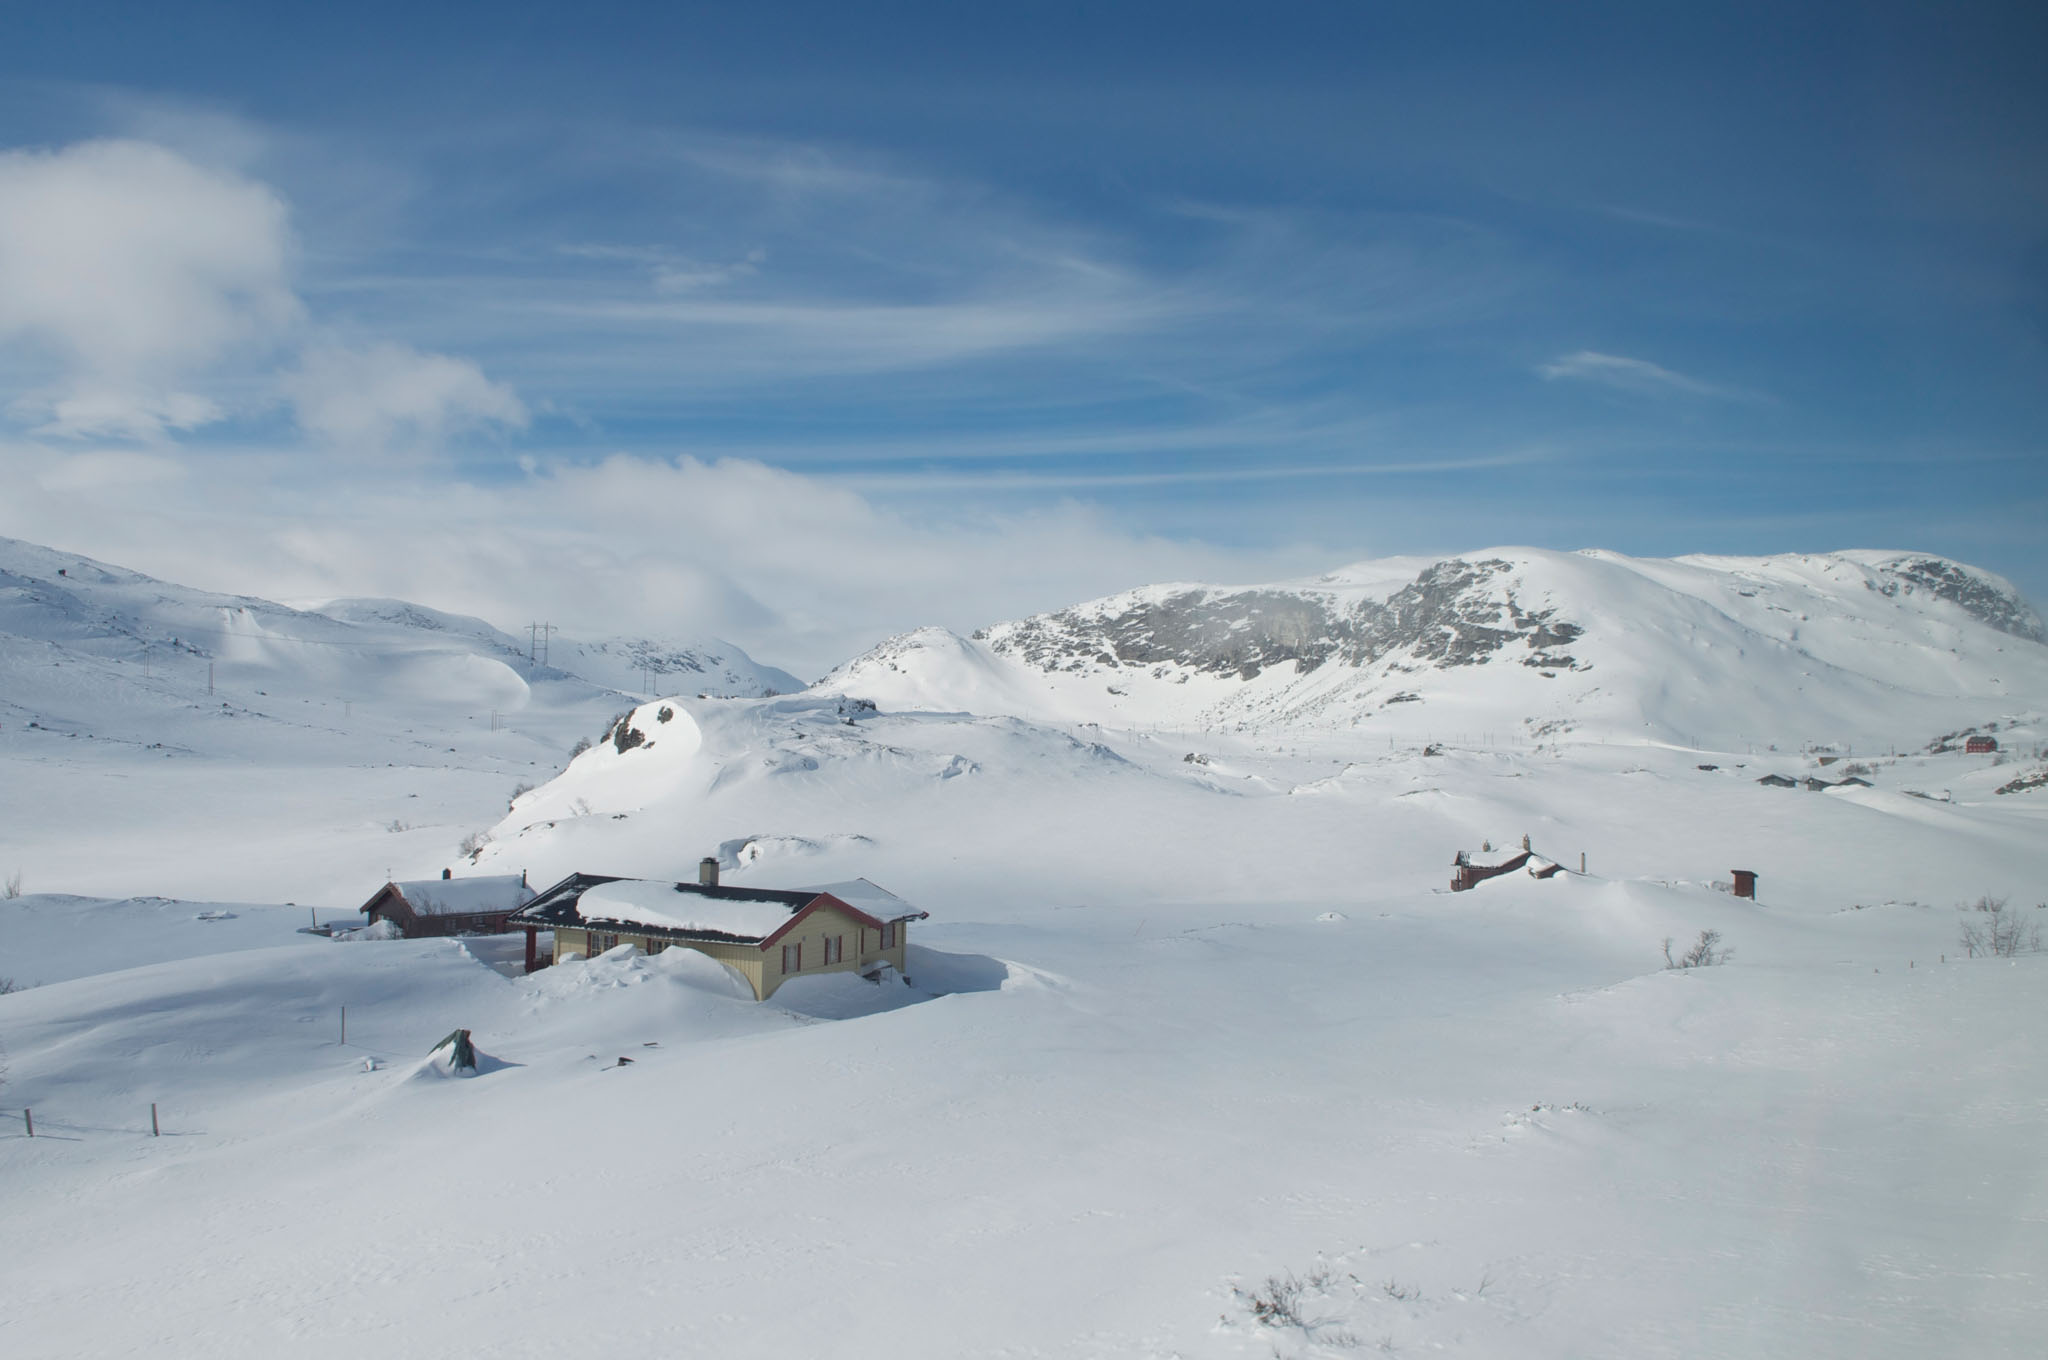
column 1454, row 613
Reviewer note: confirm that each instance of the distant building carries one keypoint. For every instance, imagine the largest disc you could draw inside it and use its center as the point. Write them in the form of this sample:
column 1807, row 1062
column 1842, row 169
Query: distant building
column 448, row 905
column 1465, row 875
column 766, row 935
column 1980, row 746
column 1778, row 781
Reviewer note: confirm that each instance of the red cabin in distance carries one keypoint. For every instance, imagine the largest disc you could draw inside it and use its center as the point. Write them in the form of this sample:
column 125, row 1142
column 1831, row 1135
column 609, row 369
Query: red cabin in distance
column 1980, row 746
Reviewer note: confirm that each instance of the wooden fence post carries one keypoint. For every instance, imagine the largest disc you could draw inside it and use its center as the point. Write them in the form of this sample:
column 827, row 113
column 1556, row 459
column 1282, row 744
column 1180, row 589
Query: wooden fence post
column 344, row 1024
column 154, row 1131
column 28, row 1117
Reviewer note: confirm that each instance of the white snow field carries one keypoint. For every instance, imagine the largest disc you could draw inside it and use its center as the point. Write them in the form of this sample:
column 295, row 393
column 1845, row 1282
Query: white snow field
column 1196, row 1055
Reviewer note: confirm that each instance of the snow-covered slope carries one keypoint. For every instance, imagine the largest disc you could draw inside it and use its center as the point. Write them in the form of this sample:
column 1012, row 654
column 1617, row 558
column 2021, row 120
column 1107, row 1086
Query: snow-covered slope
column 1201, row 1058
column 630, row 665
column 166, row 727
column 1486, row 1126
column 1852, row 647
column 134, row 643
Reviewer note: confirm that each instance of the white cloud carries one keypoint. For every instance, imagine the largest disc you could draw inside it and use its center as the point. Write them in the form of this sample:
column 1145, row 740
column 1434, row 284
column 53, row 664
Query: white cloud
column 104, row 470
column 803, row 572
column 137, row 282
column 366, row 398
column 133, row 269
column 1634, row 375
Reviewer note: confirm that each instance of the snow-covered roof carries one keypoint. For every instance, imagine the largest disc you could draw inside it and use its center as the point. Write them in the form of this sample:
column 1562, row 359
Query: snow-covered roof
column 730, row 910
column 873, row 899
column 670, row 906
column 465, row 896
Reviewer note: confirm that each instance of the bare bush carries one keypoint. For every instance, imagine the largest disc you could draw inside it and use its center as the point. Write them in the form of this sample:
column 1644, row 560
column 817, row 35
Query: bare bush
column 582, row 745
column 474, row 843
column 1277, row 1302
column 8, row 984
column 519, row 791
column 1994, row 930
column 397, row 826
column 1705, row 952
column 11, row 889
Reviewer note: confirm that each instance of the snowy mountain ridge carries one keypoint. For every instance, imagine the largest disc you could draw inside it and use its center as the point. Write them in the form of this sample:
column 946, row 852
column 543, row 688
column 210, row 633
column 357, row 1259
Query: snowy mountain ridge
column 1785, row 646
column 91, row 645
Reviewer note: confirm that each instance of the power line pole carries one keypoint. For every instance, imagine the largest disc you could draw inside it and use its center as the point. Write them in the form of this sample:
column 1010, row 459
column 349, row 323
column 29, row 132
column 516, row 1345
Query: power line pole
column 537, row 633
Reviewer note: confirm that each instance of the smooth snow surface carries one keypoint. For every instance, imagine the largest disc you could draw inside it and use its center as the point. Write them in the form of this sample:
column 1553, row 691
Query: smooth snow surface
column 664, row 905
column 1196, row 1055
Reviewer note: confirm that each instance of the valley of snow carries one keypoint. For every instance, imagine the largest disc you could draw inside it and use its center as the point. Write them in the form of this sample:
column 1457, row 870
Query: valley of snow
column 1197, row 1056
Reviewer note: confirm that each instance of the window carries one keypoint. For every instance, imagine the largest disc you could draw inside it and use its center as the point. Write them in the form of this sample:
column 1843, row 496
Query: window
column 888, row 935
column 793, row 957
column 835, row 948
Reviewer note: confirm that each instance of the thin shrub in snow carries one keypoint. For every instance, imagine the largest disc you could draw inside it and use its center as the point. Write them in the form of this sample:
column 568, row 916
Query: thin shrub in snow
column 1705, row 952
column 1994, row 930
column 1277, row 1302
column 473, row 844
column 12, row 888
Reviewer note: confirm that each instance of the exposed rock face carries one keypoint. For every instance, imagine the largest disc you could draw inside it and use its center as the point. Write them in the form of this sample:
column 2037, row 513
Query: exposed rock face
column 1981, row 599
column 1455, row 613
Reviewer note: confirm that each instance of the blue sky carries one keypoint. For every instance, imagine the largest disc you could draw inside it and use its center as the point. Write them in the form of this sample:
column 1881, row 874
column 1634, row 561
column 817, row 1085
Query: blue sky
column 1067, row 297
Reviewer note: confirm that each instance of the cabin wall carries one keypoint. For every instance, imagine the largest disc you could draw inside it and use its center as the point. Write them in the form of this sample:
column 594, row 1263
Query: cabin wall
column 762, row 968
column 743, row 958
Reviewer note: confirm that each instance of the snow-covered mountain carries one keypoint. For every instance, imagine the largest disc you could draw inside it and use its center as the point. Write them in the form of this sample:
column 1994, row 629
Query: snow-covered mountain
column 629, row 665
column 1847, row 647
column 86, row 646
column 1271, row 716
column 170, row 726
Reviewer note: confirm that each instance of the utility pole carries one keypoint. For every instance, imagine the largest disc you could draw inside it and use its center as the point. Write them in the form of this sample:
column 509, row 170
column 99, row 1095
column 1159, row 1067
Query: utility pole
column 537, row 634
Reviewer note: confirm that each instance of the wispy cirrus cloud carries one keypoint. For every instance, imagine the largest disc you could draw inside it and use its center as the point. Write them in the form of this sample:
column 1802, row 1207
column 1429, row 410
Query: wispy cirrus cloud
column 1637, row 375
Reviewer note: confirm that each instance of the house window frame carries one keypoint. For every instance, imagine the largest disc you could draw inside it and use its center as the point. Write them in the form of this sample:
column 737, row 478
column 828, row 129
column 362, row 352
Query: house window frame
column 835, row 950
column 891, row 934
column 792, row 952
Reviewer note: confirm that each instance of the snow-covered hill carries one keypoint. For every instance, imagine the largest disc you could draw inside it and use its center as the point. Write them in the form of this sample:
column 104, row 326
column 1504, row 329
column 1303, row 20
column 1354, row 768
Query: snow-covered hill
column 1855, row 647
column 1202, row 1058
column 166, row 726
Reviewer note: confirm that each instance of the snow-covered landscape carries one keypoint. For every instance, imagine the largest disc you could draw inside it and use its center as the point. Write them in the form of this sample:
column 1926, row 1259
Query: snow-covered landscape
column 1197, row 1053
column 1021, row 682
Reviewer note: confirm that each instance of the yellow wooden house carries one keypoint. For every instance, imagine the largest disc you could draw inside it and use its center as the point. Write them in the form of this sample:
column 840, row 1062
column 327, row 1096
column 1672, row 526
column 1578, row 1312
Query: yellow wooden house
column 766, row 935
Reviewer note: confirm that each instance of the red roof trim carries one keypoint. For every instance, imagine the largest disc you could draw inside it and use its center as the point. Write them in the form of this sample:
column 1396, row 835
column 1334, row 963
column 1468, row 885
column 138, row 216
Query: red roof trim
column 820, row 901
